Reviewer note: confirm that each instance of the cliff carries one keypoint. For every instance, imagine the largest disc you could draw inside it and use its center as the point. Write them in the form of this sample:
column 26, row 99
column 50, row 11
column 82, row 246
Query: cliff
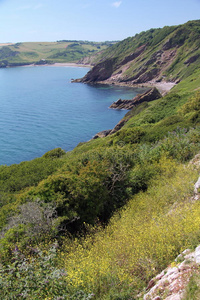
column 164, row 54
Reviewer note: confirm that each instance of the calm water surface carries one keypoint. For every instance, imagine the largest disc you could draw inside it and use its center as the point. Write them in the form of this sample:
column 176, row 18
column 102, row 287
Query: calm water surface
column 40, row 109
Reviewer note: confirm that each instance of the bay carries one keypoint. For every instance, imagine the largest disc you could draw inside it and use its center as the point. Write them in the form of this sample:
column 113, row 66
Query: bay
column 40, row 109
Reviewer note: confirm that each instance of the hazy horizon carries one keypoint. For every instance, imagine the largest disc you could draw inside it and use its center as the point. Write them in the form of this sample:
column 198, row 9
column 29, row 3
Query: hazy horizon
column 91, row 20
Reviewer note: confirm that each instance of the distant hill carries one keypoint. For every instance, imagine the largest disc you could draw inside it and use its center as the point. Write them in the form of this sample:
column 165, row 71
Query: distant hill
column 170, row 53
column 48, row 52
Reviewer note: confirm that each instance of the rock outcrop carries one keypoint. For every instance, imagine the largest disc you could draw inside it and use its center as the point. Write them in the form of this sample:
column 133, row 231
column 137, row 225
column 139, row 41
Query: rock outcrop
column 119, row 125
column 102, row 134
column 99, row 72
column 192, row 59
column 150, row 95
column 170, row 284
column 154, row 55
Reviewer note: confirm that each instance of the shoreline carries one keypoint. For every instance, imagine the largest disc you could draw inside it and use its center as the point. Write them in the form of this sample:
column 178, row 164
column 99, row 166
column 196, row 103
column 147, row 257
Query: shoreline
column 56, row 65
column 164, row 86
column 69, row 65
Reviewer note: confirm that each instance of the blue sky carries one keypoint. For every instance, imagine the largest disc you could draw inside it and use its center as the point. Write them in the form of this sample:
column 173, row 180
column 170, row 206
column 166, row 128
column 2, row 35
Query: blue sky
column 93, row 20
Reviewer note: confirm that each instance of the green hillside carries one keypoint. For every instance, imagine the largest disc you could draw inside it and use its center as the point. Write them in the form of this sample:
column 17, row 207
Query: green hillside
column 169, row 53
column 48, row 52
column 101, row 221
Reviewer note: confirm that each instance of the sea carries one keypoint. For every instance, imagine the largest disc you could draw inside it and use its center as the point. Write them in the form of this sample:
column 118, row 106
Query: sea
column 41, row 109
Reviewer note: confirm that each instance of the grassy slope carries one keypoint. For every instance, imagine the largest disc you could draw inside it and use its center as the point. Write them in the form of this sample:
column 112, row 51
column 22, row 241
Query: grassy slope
column 63, row 51
column 136, row 178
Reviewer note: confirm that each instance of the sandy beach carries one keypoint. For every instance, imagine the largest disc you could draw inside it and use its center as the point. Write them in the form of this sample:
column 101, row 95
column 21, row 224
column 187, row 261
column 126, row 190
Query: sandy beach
column 59, row 65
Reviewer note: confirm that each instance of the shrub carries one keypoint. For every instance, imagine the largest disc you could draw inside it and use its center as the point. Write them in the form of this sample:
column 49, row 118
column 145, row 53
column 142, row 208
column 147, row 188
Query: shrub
column 35, row 277
column 140, row 241
column 55, row 153
column 193, row 104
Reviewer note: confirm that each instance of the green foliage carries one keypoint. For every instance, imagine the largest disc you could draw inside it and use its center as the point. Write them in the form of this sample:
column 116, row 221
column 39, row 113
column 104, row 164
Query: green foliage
column 157, row 110
column 55, row 153
column 6, row 52
column 62, row 51
column 129, row 136
column 17, row 177
column 193, row 104
column 89, row 189
column 139, row 241
column 193, row 288
column 144, row 52
column 125, row 194
column 35, row 277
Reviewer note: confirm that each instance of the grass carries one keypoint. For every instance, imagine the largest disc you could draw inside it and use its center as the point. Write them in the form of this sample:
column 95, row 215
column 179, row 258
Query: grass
column 114, row 261
column 193, row 288
column 139, row 241
column 61, row 51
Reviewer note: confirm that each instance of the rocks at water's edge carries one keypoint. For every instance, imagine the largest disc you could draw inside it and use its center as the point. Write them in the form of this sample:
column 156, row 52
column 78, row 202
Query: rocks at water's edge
column 105, row 133
column 119, row 125
column 149, row 95
column 102, row 134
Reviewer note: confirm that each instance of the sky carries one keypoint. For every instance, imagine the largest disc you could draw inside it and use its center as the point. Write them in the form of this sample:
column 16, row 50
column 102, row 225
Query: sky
column 92, row 20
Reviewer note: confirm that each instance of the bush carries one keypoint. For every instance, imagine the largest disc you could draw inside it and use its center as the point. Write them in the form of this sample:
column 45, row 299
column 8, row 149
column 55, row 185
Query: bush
column 35, row 277
column 55, row 153
column 139, row 241
column 193, row 104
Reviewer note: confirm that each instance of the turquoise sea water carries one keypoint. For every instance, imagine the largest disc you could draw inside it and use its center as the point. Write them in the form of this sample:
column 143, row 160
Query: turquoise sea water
column 40, row 109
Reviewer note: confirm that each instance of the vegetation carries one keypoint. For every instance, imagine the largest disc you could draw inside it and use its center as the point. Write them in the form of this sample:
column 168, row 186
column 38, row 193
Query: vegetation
column 100, row 221
column 48, row 52
column 169, row 53
column 193, row 288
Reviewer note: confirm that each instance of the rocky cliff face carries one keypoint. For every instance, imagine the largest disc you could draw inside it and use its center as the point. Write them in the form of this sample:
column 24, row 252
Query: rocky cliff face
column 171, row 283
column 100, row 72
column 149, row 95
column 166, row 54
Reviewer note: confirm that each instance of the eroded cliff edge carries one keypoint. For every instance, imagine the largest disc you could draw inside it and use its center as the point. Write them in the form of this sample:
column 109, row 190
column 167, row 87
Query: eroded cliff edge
column 158, row 57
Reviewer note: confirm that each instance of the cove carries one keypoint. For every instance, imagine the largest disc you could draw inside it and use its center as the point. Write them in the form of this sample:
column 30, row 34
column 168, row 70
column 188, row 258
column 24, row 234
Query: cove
column 40, row 109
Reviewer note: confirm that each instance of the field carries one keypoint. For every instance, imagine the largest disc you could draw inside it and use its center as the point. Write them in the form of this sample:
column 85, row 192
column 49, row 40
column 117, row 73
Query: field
column 48, row 52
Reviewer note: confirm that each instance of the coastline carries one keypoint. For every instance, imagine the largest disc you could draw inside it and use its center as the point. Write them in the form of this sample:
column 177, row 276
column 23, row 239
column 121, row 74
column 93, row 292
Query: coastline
column 164, row 86
column 69, row 65
column 58, row 65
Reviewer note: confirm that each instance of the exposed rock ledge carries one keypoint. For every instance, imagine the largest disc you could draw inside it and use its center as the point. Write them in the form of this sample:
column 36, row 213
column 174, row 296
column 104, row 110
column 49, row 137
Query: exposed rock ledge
column 102, row 134
column 171, row 282
column 149, row 95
